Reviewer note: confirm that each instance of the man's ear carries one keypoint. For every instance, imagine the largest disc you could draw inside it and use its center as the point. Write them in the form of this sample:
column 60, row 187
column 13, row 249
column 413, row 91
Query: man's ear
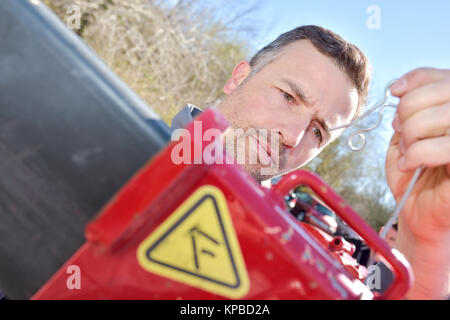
column 240, row 72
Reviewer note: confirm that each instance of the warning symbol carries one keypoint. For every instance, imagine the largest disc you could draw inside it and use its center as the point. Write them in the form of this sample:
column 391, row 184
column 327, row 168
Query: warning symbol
column 197, row 245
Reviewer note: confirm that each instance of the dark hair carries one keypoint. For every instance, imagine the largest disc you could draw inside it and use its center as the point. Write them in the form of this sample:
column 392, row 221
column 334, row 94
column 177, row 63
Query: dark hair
column 347, row 56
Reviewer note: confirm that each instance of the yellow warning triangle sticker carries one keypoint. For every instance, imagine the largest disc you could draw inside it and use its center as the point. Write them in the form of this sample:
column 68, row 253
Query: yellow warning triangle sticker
column 197, row 245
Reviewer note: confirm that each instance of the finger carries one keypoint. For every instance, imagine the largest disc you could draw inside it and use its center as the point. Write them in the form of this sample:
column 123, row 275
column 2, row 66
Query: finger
column 417, row 78
column 427, row 123
column 431, row 94
column 429, row 152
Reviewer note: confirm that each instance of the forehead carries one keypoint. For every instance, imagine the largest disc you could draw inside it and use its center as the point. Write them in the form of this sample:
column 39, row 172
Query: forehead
column 318, row 75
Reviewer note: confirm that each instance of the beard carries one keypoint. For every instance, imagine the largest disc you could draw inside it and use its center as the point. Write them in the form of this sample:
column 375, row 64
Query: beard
column 245, row 145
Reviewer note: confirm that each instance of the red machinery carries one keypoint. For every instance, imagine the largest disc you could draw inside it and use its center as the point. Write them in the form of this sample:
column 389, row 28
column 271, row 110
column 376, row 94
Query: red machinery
column 210, row 231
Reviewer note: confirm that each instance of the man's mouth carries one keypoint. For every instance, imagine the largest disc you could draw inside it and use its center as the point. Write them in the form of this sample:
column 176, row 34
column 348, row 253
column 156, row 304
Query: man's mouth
column 264, row 151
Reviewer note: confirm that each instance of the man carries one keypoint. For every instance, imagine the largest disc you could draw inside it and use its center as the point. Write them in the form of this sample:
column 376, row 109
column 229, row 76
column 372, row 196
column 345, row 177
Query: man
column 310, row 80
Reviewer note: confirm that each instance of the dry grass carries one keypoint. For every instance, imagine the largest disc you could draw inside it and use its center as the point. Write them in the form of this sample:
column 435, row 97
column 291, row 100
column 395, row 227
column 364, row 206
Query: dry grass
column 169, row 54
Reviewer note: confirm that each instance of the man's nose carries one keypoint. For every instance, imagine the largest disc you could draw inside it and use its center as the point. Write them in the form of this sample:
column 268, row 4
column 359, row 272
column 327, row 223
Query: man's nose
column 293, row 130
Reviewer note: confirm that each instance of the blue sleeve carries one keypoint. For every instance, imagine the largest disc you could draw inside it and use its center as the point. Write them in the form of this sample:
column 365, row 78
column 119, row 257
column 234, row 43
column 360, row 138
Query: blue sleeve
column 185, row 116
column 181, row 119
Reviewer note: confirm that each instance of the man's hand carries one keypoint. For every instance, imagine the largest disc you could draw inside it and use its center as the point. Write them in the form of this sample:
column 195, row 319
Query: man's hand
column 422, row 137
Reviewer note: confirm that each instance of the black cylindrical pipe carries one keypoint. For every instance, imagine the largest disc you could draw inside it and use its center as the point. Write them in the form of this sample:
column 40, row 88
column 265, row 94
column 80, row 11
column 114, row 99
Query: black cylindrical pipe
column 71, row 134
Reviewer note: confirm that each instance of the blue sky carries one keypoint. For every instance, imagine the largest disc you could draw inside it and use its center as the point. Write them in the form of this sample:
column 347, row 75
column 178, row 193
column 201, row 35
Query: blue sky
column 412, row 33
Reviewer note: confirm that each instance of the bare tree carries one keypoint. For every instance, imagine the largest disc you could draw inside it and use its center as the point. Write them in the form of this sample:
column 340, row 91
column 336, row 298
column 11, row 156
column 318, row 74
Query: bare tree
column 169, row 53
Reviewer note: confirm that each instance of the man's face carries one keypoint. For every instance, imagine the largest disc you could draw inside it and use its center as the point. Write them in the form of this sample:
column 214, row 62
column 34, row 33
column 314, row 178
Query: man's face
column 298, row 95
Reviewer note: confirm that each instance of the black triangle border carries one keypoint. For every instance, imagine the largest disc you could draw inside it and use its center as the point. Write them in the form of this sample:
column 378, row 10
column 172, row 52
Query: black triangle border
column 199, row 202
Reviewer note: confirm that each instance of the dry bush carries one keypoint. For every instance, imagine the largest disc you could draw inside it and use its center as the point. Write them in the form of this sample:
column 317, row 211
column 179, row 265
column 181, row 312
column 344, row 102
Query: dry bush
column 170, row 54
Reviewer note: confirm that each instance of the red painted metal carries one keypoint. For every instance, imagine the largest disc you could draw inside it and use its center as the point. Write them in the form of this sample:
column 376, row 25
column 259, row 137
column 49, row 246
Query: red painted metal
column 339, row 244
column 285, row 259
column 341, row 252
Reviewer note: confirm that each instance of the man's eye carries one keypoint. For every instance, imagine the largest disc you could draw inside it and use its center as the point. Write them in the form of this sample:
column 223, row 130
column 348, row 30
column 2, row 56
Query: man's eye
column 287, row 96
column 318, row 134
